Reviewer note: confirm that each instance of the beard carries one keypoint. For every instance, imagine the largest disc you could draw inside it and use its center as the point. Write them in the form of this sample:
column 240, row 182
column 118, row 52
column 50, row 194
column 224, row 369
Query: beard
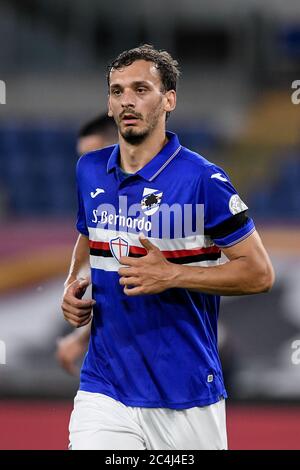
column 134, row 136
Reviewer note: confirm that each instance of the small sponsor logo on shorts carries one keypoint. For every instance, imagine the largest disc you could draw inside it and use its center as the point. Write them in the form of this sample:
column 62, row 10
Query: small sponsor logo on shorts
column 210, row 378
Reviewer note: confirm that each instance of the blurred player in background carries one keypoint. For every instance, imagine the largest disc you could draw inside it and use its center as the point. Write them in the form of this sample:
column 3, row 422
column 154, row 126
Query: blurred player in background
column 95, row 134
column 152, row 376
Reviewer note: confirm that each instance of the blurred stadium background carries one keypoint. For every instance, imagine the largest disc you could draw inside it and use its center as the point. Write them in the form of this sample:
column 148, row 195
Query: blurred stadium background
column 238, row 61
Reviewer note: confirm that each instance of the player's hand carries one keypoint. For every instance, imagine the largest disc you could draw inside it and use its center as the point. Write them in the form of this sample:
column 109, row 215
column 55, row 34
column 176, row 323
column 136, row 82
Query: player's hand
column 149, row 274
column 69, row 349
column 77, row 311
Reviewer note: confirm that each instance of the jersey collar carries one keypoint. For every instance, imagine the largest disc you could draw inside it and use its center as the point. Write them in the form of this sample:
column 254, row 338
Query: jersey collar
column 158, row 163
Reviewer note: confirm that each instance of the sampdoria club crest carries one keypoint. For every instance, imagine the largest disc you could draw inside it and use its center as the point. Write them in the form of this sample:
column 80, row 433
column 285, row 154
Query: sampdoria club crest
column 151, row 200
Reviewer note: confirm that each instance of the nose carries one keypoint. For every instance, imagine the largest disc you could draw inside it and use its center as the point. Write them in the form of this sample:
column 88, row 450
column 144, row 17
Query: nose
column 128, row 98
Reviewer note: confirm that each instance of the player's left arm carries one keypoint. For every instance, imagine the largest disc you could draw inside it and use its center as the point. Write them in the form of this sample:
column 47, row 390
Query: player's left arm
column 248, row 271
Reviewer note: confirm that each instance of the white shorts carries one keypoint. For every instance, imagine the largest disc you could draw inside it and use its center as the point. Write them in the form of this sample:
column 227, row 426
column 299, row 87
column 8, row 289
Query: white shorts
column 99, row 422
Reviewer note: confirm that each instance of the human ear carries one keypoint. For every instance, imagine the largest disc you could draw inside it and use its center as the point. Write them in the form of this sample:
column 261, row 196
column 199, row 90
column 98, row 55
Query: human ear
column 170, row 100
column 109, row 112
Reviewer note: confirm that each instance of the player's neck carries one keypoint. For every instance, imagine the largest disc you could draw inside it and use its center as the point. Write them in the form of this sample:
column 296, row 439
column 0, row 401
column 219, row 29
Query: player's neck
column 135, row 157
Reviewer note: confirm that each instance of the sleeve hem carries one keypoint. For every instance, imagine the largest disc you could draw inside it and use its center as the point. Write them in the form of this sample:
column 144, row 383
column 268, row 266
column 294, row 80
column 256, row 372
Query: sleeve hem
column 228, row 245
column 83, row 232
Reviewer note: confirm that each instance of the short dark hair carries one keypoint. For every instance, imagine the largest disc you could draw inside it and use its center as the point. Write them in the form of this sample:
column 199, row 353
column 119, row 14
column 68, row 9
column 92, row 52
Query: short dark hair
column 164, row 62
column 98, row 126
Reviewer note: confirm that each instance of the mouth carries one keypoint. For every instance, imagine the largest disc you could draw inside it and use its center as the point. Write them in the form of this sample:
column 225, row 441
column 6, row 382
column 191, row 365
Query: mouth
column 129, row 119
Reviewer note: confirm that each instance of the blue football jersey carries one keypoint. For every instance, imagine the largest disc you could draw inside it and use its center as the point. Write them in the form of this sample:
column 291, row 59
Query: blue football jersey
column 156, row 350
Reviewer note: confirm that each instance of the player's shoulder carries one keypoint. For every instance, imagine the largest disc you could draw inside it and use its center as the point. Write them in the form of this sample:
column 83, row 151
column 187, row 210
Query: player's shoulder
column 99, row 157
column 199, row 165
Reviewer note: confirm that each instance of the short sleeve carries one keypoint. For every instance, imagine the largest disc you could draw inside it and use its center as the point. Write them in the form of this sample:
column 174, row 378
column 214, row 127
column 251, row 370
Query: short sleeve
column 81, row 217
column 225, row 214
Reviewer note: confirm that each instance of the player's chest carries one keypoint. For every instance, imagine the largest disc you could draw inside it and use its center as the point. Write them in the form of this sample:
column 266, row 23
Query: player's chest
column 166, row 207
column 137, row 194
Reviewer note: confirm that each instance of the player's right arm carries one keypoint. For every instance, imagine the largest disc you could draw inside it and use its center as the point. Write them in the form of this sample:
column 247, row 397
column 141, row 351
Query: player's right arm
column 78, row 311
column 71, row 348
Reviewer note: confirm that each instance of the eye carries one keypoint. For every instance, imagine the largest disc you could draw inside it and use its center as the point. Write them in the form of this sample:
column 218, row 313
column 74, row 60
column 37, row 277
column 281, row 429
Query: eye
column 116, row 92
column 141, row 90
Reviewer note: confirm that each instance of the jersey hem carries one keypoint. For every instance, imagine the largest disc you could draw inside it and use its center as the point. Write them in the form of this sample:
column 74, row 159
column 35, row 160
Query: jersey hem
column 155, row 404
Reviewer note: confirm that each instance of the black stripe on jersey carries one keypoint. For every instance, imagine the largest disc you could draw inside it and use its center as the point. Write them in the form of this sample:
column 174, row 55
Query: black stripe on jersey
column 179, row 260
column 195, row 258
column 108, row 253
column 100, row 252
column 228, row 226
